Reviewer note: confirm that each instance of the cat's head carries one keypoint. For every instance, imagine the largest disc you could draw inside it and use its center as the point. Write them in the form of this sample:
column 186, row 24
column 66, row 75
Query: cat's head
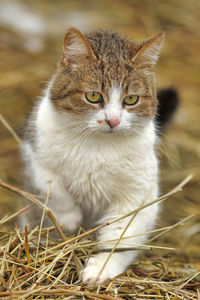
column 107, row 81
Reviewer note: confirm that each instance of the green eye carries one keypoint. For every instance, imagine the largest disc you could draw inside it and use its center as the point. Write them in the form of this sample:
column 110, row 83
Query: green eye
column 94, row 97
column 131, row 100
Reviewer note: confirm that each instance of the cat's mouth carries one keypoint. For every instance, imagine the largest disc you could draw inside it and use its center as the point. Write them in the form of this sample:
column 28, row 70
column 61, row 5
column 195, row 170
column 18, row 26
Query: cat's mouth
column 108, row 125
column 102, row 122
column 106, row 128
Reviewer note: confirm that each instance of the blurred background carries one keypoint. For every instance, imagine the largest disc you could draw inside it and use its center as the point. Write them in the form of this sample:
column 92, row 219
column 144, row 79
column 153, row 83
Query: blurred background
column 30, row 45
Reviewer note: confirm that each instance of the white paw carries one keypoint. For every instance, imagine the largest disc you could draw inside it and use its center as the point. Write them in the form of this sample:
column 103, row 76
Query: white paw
column 93, row 267
column 71, row 220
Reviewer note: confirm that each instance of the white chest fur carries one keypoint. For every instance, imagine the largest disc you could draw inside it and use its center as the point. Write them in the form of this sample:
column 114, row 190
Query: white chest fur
column 105, row 169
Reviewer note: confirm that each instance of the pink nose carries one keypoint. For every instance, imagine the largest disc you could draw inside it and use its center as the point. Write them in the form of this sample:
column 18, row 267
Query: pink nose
column 113, row 122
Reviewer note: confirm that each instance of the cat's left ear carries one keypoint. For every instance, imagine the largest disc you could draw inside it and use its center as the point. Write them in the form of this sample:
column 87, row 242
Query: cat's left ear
column 149, row 51
column 76, row 48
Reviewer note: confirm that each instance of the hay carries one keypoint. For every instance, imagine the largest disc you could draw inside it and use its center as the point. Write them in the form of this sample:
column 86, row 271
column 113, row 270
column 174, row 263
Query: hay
column 158, row 273
column 33, row 265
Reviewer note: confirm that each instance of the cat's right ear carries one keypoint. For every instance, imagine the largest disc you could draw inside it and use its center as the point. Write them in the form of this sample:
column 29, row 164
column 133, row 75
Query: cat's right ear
column 149, row 51
column 76, row 48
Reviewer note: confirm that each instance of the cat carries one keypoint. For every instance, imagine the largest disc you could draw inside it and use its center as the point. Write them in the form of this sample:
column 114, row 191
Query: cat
column 92, row 141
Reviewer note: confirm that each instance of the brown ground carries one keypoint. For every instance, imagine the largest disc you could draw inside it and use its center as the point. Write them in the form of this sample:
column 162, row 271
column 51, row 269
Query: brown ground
column 28, row 59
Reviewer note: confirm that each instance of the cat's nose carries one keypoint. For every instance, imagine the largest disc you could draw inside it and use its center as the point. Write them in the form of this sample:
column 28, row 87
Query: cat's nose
column 113, row 122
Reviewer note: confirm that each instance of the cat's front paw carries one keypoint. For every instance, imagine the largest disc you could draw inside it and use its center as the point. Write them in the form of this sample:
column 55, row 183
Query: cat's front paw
column 71, row 220
column 90, row 274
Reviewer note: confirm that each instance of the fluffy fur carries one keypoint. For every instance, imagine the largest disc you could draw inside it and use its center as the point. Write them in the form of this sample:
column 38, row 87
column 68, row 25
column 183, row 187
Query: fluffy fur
column 96, row 172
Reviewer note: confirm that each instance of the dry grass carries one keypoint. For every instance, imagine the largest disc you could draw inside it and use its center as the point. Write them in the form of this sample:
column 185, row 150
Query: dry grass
column 33, row 265
column 49, row 269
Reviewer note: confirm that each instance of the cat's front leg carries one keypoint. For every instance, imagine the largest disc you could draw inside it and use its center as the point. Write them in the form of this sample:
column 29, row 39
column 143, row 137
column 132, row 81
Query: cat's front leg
column 60, row 201
column 67, row 213
column 70, row 218
column 119, row 261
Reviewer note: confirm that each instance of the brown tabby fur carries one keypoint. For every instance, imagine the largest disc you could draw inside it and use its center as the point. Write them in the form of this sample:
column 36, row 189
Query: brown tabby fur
column 109, row 59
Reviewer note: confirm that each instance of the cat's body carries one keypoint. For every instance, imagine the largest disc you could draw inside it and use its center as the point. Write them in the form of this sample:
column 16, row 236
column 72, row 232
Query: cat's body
column 98, row 158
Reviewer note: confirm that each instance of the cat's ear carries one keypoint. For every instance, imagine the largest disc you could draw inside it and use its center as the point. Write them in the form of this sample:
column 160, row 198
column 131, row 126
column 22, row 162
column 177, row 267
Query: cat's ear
column 149, row 51
column 76, row 47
